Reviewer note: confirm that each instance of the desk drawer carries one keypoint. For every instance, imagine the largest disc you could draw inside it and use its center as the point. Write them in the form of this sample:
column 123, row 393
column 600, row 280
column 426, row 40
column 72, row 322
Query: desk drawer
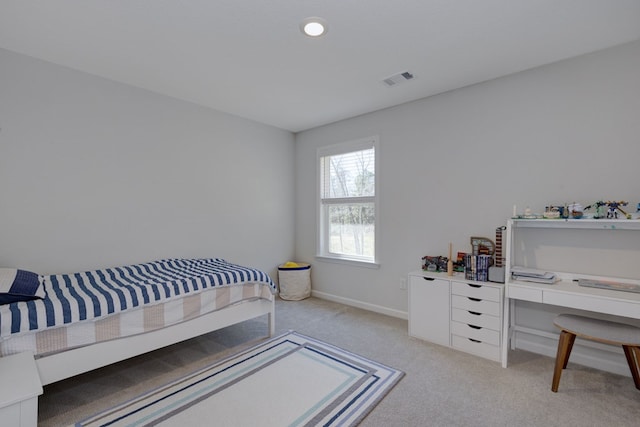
column 476, row 305
column 525, row 294
column 483, row 292
column 476, row 332
column 476, row 347
column 618, row 307
column 476, row 319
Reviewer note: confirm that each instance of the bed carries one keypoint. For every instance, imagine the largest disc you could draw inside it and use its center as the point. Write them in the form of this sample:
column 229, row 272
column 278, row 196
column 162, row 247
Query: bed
column 74, row 323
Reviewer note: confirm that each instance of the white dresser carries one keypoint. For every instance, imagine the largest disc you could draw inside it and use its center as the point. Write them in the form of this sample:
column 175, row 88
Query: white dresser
column 458, row 313
column 476, row 317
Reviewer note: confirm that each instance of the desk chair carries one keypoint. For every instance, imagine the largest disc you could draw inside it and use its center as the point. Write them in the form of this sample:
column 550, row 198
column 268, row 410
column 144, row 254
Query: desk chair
column 604, row 331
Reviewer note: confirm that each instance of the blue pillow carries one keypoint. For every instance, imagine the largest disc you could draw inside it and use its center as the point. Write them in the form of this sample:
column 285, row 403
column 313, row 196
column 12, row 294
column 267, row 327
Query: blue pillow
column 20, row 285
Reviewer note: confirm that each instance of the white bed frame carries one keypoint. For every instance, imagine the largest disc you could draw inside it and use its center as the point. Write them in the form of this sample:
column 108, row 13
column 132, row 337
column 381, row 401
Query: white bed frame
column 68, row 363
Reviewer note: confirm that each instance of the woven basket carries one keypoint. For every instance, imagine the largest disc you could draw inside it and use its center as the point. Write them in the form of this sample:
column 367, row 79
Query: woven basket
column 295, row 283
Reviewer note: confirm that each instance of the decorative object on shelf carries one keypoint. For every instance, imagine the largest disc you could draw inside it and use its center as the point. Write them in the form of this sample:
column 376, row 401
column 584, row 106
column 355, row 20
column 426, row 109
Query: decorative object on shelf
column 614, row 207
column 551, row 212
column 601, row 210
column 458, row 264
column 599, row 207
column 434, row 263
column 497, row 271
column 576, row 210
column 527, row 214
column 482, row 246
column 450, row 261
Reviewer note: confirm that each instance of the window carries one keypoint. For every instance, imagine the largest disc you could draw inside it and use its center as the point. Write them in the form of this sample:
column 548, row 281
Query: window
column 348, row 201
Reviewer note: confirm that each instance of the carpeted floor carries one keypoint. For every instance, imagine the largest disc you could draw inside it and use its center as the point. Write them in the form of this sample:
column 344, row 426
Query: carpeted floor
column 442, row 387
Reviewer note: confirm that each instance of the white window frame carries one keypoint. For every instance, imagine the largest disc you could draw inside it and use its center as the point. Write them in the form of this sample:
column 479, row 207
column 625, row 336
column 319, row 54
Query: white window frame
column 322, row 237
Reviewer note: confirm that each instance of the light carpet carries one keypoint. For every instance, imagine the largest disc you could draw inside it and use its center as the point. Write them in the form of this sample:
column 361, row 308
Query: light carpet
column 291, row 380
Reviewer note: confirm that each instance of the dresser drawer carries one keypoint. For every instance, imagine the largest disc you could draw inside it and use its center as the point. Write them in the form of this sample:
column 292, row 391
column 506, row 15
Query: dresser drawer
column 475, row 291
column 476, row 347
column 476, row 305
column 476, row 319
column 477, row 333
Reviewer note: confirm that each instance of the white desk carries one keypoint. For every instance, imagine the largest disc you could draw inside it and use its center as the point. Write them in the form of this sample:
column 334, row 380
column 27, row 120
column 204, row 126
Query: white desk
column 566, row 293
column 599, row 249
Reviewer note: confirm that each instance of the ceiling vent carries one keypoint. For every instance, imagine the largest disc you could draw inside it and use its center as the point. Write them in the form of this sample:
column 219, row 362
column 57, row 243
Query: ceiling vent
column 396, row 79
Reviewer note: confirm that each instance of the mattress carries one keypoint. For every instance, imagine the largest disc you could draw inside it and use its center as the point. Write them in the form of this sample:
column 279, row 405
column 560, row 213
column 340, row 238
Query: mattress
column 84, row 308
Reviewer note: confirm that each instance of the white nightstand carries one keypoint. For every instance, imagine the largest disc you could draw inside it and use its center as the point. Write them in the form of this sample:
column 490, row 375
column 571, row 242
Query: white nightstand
column 20, row 387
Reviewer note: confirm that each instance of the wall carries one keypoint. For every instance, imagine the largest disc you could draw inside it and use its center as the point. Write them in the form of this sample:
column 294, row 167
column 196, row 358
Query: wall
column 453, row 165
column 94, row 174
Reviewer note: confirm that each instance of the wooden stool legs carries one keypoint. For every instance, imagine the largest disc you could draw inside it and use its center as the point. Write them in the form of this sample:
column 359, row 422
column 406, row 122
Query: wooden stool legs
column 565, row 344
column 600, row 330
column 633, row 359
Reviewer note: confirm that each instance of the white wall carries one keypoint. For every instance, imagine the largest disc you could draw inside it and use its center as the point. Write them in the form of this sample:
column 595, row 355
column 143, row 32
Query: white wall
column 95, row 173
column 453, row 165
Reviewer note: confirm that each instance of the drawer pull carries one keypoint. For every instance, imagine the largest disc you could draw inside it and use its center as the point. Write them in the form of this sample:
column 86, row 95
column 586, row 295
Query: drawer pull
column 474, row 286
column 472, row 340
column 474, row 326
column 431, row 279
column 474, row 299
column 475, row 313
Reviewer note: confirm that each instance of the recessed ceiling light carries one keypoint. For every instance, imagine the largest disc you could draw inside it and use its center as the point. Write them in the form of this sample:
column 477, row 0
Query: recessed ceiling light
column 314, row 27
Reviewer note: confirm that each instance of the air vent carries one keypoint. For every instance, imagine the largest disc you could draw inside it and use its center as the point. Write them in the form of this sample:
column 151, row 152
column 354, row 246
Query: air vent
column 396, row 79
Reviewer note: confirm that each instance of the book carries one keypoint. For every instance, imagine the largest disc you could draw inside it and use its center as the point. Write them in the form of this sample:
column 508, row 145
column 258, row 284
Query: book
column 476, row 267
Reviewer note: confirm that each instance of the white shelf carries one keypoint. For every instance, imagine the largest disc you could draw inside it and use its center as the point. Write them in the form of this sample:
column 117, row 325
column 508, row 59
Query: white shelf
column 592, row 224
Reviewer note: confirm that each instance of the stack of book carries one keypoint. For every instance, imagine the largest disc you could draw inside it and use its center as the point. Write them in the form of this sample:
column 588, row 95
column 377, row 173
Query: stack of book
column 533, row 275
column 476, row 267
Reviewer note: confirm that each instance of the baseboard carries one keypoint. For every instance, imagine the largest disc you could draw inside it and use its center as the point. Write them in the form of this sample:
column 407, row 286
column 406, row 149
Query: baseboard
column 587, row 353
column 359, row 304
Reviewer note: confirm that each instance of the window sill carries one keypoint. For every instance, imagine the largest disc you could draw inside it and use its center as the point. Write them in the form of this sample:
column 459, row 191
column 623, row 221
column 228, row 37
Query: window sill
column 347, row 261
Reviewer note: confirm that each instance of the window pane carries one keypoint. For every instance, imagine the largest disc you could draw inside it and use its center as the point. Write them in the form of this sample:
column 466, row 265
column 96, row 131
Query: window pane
column 350, row 175
column 351, row 229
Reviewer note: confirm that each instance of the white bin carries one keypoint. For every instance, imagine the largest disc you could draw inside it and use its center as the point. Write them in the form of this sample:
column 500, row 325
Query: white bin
column 295, row 282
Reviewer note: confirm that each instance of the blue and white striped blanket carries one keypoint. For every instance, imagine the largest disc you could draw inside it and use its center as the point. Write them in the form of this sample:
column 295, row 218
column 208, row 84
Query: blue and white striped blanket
column 95, row 294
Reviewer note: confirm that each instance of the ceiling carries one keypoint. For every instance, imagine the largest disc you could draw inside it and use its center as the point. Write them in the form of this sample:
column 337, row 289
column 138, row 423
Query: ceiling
column 249, row 58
